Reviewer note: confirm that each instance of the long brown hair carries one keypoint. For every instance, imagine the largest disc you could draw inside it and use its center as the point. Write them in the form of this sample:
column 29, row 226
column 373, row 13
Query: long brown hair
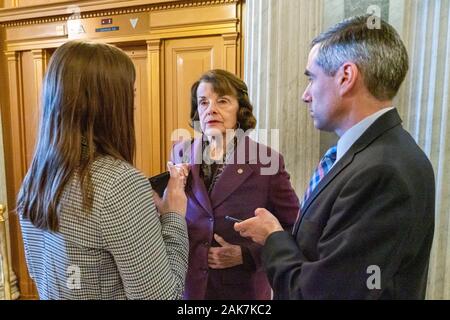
column 87, row 111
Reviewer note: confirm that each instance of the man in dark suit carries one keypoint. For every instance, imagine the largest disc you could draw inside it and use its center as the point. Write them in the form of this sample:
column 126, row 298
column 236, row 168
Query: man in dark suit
column 366, row 222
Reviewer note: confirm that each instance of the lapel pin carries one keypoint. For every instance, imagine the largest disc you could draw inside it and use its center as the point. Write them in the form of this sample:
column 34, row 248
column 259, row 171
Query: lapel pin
column 240, row 171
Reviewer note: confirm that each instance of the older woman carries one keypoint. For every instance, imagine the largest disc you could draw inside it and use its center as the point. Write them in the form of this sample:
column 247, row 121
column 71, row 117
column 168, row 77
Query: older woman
column 231, row 175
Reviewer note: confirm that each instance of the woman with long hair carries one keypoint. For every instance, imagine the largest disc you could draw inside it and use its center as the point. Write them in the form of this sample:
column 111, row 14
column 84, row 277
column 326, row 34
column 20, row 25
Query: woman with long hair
column 90, row 227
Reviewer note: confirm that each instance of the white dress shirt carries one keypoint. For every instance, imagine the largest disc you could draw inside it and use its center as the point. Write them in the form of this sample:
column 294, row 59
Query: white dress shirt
column 353, row 134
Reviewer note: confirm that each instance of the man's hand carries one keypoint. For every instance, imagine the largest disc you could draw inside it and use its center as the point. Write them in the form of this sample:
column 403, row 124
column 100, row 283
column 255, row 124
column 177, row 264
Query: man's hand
column 260, row 227
column 226, row 256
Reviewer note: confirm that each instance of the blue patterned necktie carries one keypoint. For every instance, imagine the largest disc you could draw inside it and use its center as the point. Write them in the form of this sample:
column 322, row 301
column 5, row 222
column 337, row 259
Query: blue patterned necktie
column 322, row 169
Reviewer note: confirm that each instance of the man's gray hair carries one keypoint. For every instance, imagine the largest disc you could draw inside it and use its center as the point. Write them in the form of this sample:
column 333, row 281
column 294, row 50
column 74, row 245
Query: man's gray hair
column 379, row 54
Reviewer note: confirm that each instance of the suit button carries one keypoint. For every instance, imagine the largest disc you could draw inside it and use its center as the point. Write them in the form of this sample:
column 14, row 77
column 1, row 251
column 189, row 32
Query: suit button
column 211, row 219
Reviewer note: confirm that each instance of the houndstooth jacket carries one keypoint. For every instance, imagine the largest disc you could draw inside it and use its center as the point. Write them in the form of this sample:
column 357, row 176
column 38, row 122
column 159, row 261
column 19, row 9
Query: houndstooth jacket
column 122, row 249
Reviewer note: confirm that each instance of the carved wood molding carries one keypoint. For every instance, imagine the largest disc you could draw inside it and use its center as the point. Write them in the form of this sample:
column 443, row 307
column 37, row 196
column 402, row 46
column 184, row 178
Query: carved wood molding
column 12, row 20
column 11, row 55
column 230, row 38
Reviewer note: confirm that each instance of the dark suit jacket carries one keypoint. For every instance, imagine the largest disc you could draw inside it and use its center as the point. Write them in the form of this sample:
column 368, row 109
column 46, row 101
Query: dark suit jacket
column 239, row 191
column 374, row 209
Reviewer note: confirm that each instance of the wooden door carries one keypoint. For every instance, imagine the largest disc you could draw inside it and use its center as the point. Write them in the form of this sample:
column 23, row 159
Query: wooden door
column 185, row 60
column 5, row 255
column 142, row 120
column 26, row 72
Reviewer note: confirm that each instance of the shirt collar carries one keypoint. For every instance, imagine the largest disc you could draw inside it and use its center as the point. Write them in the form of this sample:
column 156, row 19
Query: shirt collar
column 353, row 134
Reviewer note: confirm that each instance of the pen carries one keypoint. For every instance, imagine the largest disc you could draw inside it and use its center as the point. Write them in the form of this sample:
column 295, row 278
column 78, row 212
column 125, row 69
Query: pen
column 233, row 219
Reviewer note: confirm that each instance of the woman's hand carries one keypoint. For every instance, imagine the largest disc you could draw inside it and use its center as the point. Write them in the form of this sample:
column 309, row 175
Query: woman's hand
column 183, row 168
column 226, row 256
column 174, row 198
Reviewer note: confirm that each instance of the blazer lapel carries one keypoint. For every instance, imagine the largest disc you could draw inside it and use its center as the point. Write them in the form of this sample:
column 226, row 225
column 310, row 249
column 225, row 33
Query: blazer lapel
column 387, row 121
column 197, row 186
column 232, row 177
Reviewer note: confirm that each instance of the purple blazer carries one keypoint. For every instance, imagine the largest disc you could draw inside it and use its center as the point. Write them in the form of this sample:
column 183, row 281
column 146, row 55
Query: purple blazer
column 257, row 179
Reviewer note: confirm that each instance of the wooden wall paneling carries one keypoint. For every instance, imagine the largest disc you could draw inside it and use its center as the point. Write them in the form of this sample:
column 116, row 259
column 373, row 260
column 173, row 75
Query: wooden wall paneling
column 40, row 61
column 37, row 32
column 242, row 14
column 25, row 96
column 171, row 46
column 121, row 27
column 4, row 101
column 26, row 3
column 4, row 159
column 16, row 114
column 9, row 3
column 36, row 36
column 33, row 64
column 230, row 52
column 185, row 60
column 200, row 20
column 30, row 102
column 142, row 119
column 54, row 8
column 17, row 166
column 200, row 15
column 154, row 97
